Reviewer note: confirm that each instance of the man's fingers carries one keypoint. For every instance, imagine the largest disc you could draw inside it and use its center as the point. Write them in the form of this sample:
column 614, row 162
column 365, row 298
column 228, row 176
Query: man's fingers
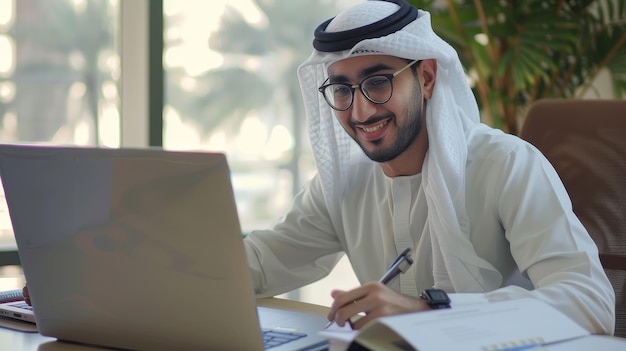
column 345, row 305
column 26, row 294
column 350, row 305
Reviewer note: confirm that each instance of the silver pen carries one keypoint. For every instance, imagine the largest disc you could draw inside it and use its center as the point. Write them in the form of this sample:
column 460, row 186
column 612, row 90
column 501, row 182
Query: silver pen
column 400, row 265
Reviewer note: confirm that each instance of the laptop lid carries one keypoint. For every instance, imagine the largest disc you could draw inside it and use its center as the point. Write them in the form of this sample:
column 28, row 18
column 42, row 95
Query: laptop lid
column 129, row 248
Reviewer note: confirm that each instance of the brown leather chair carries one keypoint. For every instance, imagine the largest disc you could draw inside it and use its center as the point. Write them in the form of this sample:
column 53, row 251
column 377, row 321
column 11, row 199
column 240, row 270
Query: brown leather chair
column 585, row 140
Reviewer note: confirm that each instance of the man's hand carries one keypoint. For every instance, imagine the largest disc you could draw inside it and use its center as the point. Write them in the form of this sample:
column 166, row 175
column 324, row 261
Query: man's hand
column 26, row 294
column 374, row 300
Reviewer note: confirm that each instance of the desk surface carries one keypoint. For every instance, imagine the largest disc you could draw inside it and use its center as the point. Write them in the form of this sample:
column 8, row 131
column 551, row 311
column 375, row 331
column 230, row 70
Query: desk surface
column 25, row 341
column 33, row 341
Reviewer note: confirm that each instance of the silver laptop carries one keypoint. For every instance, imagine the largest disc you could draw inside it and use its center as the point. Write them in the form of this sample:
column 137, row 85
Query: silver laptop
column 12, row 306
column 139, row 249
column 19, row 310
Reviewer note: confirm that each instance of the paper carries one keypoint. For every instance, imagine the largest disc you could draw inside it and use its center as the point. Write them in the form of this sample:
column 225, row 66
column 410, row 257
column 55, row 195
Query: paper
column 591, row 342
column 484, row 327
column 339, row 337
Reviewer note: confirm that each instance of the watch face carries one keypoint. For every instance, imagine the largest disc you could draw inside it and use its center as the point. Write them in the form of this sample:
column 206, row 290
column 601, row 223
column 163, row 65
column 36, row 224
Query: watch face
column 438, row 295
column 436, row 298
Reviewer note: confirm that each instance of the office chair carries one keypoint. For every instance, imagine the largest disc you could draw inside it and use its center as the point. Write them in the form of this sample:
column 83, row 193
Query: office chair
column 585, row 140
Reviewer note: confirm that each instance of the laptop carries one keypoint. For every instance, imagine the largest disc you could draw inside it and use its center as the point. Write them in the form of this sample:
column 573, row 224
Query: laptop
column 12, row 306
column 139, row 249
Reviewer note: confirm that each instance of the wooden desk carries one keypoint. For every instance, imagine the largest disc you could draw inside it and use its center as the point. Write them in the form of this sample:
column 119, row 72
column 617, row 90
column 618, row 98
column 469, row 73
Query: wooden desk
column 24, row 341
column 32, row 341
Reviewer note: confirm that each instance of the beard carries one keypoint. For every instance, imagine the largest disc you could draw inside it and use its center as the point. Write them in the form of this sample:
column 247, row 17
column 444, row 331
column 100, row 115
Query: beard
column 407, row 131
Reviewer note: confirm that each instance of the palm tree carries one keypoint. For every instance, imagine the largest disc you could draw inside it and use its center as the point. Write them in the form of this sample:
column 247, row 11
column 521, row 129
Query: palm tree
column 516, row 52
column 41, row 76
column 88, row 33
column 234, row 90
column 50, row 34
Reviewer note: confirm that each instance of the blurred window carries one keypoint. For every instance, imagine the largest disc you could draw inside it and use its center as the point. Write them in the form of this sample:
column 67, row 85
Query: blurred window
column 59, row 67
column 231, row 86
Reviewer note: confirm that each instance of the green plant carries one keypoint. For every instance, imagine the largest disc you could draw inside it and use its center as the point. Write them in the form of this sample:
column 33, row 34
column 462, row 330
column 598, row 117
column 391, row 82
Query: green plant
column 516, row 52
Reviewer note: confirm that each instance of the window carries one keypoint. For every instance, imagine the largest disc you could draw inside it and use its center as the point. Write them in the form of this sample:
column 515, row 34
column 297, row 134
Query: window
column 230, row 85
column 58, row 77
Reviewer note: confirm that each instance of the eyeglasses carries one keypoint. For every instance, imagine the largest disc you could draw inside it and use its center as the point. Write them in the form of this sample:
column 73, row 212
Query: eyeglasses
column 377, row 89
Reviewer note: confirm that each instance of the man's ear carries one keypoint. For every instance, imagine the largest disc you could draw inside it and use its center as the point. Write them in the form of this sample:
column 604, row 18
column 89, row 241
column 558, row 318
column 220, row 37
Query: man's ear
column 428, row 76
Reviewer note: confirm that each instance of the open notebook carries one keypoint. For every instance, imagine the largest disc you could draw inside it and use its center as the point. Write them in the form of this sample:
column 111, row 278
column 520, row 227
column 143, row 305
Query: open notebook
column 138, row 249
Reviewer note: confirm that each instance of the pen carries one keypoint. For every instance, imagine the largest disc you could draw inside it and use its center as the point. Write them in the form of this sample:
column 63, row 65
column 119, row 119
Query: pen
column 400, row 265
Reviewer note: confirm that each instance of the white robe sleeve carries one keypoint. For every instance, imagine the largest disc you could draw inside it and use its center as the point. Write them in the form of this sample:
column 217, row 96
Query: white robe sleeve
column 549, row 244
column 300, row 249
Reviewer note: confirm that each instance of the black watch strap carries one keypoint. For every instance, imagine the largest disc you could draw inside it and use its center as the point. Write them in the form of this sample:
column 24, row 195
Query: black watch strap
column 436, row 298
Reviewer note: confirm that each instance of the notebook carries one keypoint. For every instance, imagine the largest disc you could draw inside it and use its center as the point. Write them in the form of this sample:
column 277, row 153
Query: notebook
column 138, row 249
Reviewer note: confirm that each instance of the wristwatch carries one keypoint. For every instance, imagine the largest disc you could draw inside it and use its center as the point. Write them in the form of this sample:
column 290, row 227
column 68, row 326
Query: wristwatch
column 436, row 298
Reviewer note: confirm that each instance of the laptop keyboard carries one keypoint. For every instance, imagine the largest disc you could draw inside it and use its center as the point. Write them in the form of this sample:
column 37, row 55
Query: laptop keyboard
column 273, row 337
column 22, row 305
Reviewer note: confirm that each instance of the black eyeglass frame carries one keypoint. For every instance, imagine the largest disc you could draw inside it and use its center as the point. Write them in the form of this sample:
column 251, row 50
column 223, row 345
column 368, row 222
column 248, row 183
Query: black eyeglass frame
column 389, row 77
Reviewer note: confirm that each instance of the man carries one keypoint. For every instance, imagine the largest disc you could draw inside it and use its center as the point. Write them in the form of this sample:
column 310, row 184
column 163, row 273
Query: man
column 403, row 162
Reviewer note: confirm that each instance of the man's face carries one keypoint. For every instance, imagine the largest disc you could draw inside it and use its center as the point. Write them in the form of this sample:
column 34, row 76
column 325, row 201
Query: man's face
column 383, row 131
